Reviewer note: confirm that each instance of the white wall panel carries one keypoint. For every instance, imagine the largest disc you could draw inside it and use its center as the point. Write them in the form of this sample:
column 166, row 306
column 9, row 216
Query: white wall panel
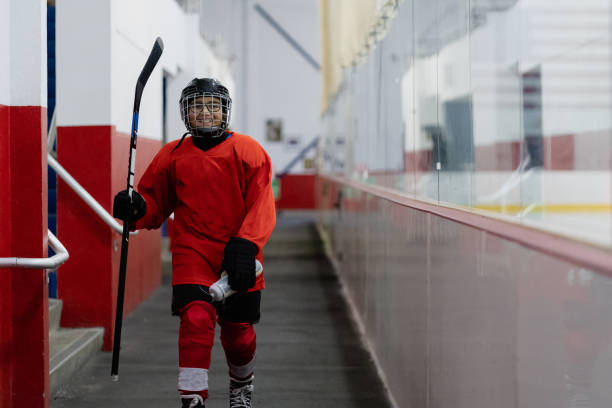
column 273, row 81
column 24, row 50
column 134, row 27
column 83, row 67
column 282, row 84
column 5, row 61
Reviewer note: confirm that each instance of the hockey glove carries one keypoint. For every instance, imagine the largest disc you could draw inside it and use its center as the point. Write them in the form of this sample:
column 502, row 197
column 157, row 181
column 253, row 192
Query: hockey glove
column 126, row 209
column 239, row 263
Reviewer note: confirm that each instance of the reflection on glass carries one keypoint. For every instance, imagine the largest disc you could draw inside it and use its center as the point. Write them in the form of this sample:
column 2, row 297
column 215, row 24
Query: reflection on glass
column 495, row 105
column 429, row 143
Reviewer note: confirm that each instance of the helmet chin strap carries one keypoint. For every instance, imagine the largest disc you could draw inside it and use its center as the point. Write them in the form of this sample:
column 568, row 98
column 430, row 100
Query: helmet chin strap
column 205, row 133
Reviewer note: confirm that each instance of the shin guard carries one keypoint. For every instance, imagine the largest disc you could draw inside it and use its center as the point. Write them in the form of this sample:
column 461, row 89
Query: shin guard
column 196, row 337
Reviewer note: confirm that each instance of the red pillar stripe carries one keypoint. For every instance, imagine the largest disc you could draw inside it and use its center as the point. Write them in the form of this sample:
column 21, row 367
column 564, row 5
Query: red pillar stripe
column 84, row 281
column 6, row 327
column 24, row 325
column 5, row 181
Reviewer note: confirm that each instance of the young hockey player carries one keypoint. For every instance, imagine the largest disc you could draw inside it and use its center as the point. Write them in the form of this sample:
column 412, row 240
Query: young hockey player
column 218, row 184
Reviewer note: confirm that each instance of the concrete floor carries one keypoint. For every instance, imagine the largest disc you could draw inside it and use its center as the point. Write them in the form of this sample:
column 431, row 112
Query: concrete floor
column 308, row 351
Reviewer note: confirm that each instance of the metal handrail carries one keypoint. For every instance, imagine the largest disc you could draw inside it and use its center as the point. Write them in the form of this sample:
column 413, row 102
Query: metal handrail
column 81, row 192
column 298, row 157
column 61, row 256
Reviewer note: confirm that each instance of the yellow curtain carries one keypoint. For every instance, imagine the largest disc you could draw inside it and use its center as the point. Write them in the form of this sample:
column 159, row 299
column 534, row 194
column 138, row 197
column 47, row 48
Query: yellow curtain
column 345, row 28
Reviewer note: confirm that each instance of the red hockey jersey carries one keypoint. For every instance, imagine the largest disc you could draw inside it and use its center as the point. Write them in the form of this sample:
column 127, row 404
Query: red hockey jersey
column 216, row 194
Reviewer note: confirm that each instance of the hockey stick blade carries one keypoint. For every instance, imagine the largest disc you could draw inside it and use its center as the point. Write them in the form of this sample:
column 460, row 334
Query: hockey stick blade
column 154, row 56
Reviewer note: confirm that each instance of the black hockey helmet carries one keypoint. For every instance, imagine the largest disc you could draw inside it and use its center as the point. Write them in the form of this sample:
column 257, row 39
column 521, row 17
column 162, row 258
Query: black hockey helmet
column 206, row 96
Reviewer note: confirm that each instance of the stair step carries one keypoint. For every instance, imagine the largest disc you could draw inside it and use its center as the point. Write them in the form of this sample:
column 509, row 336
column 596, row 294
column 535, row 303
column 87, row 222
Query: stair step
column 55, row 313
column 297, row 248
column 69, row 349
column 294, row 236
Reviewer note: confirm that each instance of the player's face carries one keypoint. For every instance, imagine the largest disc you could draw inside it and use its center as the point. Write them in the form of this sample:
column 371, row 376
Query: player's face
column 206, row 111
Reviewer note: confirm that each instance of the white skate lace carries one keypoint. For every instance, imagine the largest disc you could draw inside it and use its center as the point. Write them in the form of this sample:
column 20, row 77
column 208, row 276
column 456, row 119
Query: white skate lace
column 196, row 400
column 241, row 397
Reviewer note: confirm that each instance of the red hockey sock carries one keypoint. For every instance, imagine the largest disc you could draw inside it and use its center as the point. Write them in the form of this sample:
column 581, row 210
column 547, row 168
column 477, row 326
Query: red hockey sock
column 239, row 344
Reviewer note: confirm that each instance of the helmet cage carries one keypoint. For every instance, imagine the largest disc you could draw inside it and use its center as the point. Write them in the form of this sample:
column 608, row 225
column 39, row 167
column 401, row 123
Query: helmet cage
column 205, row 107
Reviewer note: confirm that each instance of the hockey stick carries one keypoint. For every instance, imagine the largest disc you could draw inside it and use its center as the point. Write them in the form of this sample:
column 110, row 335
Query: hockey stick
column 156, row 53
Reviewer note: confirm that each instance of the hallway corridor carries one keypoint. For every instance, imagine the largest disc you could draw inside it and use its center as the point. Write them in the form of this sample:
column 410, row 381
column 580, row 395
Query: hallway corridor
column 308, row 354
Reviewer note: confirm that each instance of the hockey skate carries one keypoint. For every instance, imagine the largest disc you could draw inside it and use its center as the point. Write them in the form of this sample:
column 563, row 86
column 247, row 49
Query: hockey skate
column 192, row 401
column 241, row 394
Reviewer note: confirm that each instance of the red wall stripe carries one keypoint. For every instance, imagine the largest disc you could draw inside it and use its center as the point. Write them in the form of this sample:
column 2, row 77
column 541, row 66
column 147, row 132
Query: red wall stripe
column 85, row 281
column 24, row 325
column 28, row 126
column 5, row 182
column 558, row 153
column 97, row 157
column 498, row 156
column 297, row 191
column 144, row 261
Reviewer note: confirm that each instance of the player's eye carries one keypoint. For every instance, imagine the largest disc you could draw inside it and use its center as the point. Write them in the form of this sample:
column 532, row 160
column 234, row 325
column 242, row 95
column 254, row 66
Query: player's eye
column 213, row 106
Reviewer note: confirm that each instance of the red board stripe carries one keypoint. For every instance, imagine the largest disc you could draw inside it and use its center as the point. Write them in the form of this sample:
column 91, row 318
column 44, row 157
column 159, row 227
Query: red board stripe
column 588, row 255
